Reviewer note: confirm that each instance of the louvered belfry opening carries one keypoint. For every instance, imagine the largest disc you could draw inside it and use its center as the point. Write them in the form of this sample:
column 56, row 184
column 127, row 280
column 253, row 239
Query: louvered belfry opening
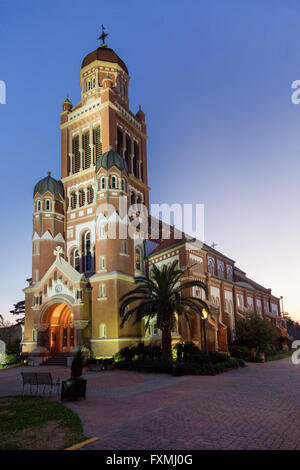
column 87, row 149
column 76, row 153
column 97, row 142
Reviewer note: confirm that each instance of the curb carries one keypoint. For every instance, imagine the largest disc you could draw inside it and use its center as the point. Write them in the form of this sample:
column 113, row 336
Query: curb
column 81, row 444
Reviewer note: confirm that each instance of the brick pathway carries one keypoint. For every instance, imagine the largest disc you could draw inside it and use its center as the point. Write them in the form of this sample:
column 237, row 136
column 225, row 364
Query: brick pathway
column 253, row 408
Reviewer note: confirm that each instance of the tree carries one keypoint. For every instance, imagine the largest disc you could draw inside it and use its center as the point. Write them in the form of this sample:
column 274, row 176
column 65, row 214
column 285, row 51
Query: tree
column 19, row 309
column 255, row 332
column 161, row 297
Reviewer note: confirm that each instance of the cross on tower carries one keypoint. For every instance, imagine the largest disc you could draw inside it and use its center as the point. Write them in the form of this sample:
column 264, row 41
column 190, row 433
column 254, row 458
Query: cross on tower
column 58, row 252
column 102, row 37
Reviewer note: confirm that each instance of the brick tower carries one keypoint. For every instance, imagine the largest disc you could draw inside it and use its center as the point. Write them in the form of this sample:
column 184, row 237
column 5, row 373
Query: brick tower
column 79, row 273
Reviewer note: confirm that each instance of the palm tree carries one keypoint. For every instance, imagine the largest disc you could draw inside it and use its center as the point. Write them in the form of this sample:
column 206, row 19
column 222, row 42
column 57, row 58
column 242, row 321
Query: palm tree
column 161, row 297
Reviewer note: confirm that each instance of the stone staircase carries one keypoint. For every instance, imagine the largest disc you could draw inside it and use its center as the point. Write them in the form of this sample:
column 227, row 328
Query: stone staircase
column 57, row 359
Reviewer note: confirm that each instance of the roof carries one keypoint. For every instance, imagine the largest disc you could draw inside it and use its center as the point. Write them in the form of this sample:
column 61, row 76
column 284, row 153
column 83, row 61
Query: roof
column 110, row 159
column 49, row 184
column 106, row 55
column 169, row 243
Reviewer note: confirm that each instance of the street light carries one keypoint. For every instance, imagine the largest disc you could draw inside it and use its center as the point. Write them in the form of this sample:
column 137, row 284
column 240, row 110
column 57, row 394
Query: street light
column 204, row 317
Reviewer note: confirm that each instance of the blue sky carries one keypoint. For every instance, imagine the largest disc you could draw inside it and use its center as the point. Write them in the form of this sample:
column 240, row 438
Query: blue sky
column 214, row 79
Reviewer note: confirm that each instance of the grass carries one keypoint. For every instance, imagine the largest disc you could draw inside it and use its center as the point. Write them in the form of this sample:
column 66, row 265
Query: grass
column 37, row 423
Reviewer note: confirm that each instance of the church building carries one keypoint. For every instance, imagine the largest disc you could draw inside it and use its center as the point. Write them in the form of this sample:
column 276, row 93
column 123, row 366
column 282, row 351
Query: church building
column 78, row 272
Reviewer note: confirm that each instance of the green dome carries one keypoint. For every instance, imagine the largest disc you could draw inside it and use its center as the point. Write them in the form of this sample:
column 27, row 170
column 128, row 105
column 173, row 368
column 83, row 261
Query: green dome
column 49, row 184
column 110, row 159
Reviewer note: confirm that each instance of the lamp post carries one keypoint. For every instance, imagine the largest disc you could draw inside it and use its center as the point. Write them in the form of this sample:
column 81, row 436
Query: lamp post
column 204, row 317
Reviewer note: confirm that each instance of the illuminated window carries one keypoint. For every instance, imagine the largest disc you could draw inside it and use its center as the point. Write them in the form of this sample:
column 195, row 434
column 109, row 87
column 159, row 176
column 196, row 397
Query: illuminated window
column 102, row 290
column 124, row 247
column 102, row 263
column 138, row 259
column 102, row 330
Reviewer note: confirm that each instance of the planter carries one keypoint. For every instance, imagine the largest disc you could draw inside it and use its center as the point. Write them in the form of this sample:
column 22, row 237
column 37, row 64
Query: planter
column 73, row 389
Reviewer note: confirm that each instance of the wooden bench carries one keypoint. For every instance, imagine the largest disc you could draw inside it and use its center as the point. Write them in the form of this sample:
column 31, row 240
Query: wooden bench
column 39, row 378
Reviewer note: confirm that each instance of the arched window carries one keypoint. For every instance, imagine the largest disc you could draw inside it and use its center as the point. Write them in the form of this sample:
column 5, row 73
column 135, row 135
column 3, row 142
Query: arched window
column 87, row 149
column 90, row 195
column 211, row 265
column 114, row 182
column 73, row 200
column 36, row 247
column 102, row 291
column 77, row 260
column 142, row 171
column 102, row 330
column 135, row 160
column 47, row 205
column 138, row 259
column 128, row 152
column 87, row 251
column 38, row 206
column 124, row 247
column 119, row 141
column 81, row 198
column 76, row 153
column 97, row 142
column 102, row 182
column 123, row 185
column 132, row 198
column 102, row 263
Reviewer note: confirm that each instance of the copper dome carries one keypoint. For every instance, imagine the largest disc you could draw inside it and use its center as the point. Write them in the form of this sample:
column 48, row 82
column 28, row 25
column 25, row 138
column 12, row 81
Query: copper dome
column 106, row 54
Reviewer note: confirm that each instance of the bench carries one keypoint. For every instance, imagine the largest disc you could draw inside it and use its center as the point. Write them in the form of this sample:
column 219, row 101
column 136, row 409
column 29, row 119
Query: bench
column 39, row 378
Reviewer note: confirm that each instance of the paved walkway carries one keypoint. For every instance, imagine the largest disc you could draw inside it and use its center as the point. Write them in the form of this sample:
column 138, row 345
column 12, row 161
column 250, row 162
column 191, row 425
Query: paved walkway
column 253, row 408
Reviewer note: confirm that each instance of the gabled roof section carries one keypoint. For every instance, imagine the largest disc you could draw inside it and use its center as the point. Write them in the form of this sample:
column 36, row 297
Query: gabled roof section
column 65, row 268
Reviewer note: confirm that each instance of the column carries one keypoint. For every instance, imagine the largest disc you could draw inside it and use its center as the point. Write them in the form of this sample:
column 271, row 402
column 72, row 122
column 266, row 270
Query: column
column 86, row 202
column 79, row 326
column 92, row 146
column 71, row 155
column 77, row 199
column 80, row 151
column 69, row 200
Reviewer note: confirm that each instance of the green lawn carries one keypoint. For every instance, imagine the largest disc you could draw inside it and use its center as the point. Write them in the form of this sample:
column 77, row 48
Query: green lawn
column 37, row 423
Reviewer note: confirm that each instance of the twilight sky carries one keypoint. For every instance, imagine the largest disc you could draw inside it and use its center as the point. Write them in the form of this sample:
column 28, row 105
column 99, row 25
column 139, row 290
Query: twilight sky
column 214, row 79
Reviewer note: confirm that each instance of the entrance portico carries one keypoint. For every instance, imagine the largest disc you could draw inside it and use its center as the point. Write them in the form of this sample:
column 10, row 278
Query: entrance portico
column 59, row 334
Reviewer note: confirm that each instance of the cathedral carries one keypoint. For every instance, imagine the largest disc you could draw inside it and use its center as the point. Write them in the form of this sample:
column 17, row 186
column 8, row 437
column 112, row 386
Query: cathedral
column 78, row 272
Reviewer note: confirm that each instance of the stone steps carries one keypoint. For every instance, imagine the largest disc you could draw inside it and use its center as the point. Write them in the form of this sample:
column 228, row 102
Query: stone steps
column 56, row 360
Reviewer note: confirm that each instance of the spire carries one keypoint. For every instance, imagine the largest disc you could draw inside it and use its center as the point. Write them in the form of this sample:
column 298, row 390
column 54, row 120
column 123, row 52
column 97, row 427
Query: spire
column 102, row 37
column 49, row 173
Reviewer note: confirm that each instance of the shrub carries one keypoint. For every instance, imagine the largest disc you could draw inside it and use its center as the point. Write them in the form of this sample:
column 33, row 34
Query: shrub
column 140, row 351
column 255, row 332
column 242, row 352
column 146, row 365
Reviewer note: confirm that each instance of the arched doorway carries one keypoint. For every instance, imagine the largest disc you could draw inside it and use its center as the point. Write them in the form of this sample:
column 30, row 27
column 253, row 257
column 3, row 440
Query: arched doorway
column 60, row 336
